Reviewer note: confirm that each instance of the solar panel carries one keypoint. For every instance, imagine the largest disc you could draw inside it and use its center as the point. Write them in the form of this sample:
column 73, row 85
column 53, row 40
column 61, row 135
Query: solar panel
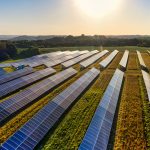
column 124, row 60
column 58, row 61
column 104, row 63
column 3, row 65
column 141, row 61
column 47, row 55
column 48, row 59
column 84, row 52
column 17, row 64
column 31, row 133
column 25, row 97
column 146, row 78
column 13, row 85
column 78, row 59
column 16, row 74
column 98, row 132
column 52, row 54
column 39, row 59
column 93, row 59
column 2, row 71
column 65, row 58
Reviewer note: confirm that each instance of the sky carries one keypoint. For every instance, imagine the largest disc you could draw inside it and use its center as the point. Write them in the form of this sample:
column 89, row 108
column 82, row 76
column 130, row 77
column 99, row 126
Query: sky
column 74, row 17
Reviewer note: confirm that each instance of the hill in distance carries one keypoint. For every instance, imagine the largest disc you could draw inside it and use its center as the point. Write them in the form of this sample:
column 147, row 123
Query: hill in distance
column 45, row 37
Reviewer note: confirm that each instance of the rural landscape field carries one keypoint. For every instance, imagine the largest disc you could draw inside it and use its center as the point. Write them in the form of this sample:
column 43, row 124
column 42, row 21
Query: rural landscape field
column 74, row 75
column 129, row 120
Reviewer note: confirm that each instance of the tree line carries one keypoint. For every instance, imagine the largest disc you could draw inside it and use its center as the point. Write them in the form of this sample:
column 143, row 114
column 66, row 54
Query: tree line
column 11, row 49
column 84, row 41
column 8, row 50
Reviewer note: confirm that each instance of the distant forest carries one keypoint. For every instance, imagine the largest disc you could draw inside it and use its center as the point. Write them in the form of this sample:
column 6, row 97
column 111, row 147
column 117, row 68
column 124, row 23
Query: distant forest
column 84, row 41
column 10, row 49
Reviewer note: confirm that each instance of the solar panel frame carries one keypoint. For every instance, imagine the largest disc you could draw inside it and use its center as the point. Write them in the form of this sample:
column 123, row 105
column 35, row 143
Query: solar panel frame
column 104, row 63
column 27, row 96
column 16, row 74
column 40, row 59
column 141, row 61
column 71, row 55
column 98, row 132
column 39, row 125
column 4, row 65
column 76, row 60
column 146, row 78
column 18, row 83
column 48, row 59
column 2, row 71
column 93, row 59
column 124, row 60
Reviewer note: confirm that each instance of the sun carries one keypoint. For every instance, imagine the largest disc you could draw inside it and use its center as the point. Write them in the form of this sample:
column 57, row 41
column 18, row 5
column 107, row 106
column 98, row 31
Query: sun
column 98, row 8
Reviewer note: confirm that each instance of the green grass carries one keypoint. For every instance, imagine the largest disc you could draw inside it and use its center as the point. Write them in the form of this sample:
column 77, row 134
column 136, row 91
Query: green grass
column 120, row 48
column 48, row 50
column 72, row 128
column 146, row 111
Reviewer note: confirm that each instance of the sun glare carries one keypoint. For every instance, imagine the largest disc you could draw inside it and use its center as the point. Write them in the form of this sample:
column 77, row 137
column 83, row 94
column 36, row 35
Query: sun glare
column 98, row 8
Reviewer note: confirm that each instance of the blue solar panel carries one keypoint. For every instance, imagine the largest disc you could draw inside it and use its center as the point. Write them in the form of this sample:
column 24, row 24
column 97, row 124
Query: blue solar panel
column 13, row 85
column 124, row 60
column 52, row 61
column 98, row 132
column 49, row 59
column 18, row 101
column 141, row 61
column 2, row 71
column 78, row 59
column 68, row 56
column 104, row 63
column 93, row 59
column 30, row 134
column 146, row 78
column 16, row 74
column 3, row 65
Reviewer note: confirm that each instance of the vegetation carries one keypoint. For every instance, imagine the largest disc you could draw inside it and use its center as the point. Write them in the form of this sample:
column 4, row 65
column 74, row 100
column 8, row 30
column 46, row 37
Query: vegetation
column 84, row 40
column 130, row 126
column 7, row 50
column 133, row 119
column 116, row 61
column 146, row 58
column 132, row 63
column 29, row 52
column 146, row 111
column 15, row 123
column 71, row 130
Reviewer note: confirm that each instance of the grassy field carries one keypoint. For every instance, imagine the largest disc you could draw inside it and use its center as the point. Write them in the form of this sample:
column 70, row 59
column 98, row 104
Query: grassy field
column 71, row 130
column 120, row 48
column 53, row 49
column 132, row 126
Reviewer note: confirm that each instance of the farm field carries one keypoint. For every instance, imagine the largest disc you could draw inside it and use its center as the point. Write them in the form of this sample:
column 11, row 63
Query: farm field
column 131, row 123
column 120, row 48
column 48, row 50
column 130, row 126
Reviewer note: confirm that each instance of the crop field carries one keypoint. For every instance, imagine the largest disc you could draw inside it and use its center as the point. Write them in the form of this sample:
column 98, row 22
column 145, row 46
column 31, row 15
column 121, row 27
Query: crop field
column 120, row 48
column 130, row 126
column 130, row 129
column 146, row 59
column 132, row 64
column 116, row 61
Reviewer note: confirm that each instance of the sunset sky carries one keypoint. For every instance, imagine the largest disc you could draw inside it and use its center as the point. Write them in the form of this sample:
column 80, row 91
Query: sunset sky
column 63, row 17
